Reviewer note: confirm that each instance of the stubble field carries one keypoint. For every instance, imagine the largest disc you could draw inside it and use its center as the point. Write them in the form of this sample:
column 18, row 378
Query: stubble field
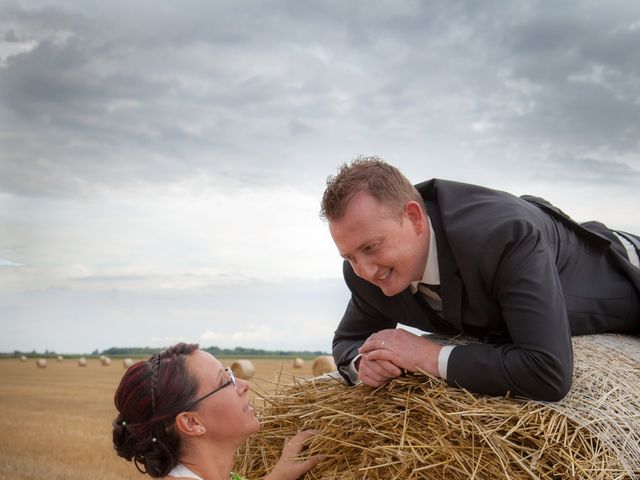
column 55, row 422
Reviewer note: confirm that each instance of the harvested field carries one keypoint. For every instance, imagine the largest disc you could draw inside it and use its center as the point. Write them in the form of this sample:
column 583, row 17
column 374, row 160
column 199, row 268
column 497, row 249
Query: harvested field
column 56, row 421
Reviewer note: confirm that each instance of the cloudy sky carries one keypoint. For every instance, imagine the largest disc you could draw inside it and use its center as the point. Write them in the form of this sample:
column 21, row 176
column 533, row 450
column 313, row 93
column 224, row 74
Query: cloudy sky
column 161, row 162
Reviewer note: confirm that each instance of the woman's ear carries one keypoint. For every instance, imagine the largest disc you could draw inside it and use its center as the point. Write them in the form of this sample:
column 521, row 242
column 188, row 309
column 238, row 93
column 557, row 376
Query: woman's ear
column 416, row 216
column 187, row 423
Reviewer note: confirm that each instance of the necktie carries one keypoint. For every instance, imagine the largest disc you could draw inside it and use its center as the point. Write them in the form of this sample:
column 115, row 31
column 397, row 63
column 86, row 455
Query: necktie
column 432, row 292
column 429, row 295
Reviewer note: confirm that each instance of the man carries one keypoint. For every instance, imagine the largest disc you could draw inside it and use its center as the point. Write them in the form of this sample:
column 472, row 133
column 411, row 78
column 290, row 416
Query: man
column 453, row 258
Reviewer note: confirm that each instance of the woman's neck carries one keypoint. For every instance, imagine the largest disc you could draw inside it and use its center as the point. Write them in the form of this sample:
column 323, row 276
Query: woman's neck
column 211, row 462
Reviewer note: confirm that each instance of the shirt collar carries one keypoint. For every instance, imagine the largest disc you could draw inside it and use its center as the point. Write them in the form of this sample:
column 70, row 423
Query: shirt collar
column 431, row 273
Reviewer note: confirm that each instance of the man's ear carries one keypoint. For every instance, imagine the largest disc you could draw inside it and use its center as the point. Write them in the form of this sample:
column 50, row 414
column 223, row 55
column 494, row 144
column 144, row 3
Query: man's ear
column 187, row 423
column 416, row 216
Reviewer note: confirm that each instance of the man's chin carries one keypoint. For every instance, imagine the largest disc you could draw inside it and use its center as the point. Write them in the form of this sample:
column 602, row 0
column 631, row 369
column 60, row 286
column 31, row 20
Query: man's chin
column 391, row 291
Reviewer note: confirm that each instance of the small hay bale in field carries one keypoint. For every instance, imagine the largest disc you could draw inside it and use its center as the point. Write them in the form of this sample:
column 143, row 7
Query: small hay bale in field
column 418, row 427
column 243, row 369
column 126, row 363
column 298, row 363
column 105, row 361
column 59, row 358
column 23, row 358
column 41, row 363
column 323, row 364
column 82, row 362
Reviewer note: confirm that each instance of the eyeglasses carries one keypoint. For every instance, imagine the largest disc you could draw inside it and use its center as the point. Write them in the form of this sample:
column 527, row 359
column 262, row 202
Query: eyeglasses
column 231, row 381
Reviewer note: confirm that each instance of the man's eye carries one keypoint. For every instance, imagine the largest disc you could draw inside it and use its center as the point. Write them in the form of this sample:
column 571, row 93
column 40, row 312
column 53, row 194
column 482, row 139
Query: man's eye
column 370, row 248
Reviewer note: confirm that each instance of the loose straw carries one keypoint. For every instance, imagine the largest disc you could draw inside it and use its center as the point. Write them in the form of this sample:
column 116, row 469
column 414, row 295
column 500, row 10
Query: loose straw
column 417, row 427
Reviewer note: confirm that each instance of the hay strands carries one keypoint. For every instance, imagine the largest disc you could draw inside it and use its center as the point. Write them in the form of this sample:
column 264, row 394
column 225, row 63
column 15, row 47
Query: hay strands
column 418, row 427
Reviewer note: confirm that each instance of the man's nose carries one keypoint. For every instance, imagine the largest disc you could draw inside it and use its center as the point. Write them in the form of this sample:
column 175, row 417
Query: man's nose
column 364, row 269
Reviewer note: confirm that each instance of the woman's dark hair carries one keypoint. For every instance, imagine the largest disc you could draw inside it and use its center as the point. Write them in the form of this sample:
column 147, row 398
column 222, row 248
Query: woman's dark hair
column 150, row 396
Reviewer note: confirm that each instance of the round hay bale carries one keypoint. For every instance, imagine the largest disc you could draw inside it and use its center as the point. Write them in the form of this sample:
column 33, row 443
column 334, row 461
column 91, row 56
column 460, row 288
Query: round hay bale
column 126, row 363
column 419, row 427
column 298, row 363
column 59, row 358
column 323, row 364
column 105, row 361
column 41, row 363
column 243, row 369
column 82, row 362
column 23, row 358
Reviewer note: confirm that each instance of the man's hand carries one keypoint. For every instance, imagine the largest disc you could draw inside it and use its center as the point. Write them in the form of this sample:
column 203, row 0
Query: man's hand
column 386, row 352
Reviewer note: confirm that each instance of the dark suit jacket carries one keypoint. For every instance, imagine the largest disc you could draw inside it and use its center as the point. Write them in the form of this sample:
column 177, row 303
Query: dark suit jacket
column 516, row 273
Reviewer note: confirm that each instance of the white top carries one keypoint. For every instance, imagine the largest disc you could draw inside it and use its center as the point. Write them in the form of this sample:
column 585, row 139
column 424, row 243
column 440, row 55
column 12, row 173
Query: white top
column 181, row 471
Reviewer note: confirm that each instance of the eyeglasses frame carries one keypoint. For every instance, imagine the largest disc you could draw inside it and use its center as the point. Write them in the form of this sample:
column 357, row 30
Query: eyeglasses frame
column 231, row 381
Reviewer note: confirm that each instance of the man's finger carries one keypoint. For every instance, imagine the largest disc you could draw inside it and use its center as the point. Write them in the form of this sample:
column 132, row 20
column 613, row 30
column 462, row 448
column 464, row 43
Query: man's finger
column 369, row 373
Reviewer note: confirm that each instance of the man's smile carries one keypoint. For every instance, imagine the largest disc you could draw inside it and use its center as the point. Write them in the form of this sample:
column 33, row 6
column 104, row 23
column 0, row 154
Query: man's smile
column 384, row 275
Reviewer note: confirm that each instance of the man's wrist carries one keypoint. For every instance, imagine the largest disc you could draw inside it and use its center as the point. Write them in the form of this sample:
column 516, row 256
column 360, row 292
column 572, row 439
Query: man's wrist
column 428, row 361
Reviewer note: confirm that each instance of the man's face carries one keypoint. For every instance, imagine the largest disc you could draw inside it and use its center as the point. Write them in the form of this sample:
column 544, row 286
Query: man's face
column 384, row 247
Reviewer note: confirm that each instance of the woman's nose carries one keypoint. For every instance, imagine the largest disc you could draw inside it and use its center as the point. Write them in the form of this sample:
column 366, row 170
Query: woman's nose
column 242, row 386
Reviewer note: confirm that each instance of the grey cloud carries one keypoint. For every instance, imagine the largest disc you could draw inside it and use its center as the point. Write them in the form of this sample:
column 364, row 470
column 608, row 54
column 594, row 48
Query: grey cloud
column 235, row 87
column 589, row 170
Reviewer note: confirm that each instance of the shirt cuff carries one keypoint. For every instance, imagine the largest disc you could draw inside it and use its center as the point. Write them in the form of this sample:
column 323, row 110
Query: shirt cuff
column 352, row 371
column 443, row 360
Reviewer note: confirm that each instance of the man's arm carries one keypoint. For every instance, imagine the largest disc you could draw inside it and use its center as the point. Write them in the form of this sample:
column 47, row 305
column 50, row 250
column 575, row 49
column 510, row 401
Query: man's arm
column 536, row 361
column 534, row 358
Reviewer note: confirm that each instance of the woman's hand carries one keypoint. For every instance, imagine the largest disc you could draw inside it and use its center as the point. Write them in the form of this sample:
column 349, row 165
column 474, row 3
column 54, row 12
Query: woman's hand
column 288, row 467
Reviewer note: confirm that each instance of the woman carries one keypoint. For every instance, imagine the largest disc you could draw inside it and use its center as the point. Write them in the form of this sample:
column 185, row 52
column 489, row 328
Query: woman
column 182, row 415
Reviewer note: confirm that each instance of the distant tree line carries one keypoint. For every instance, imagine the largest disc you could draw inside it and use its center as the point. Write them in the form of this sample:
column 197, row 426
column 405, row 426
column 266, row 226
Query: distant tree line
column 217, row 351
column 147, row 351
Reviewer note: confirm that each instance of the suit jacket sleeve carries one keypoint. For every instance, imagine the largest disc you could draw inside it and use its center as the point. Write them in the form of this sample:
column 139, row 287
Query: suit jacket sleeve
column 361, row 319
column 534, row 358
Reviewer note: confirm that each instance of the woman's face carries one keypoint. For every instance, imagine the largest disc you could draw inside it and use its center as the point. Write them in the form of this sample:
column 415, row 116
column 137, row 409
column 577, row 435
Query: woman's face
column 226, row 414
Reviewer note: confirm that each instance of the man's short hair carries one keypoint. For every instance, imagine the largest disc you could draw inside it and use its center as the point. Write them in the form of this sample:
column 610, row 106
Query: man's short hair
column 382, row 181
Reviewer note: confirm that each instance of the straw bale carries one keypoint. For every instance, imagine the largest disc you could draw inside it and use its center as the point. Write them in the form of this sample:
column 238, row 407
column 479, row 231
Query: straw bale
column 323, row 364
column 41, row 363
column 298, row 362
column 127, row 362
column 243, row 369
column 106, row 361
column 23, row 358
column 82, row 362
column 418, row 427
column 59, row 358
